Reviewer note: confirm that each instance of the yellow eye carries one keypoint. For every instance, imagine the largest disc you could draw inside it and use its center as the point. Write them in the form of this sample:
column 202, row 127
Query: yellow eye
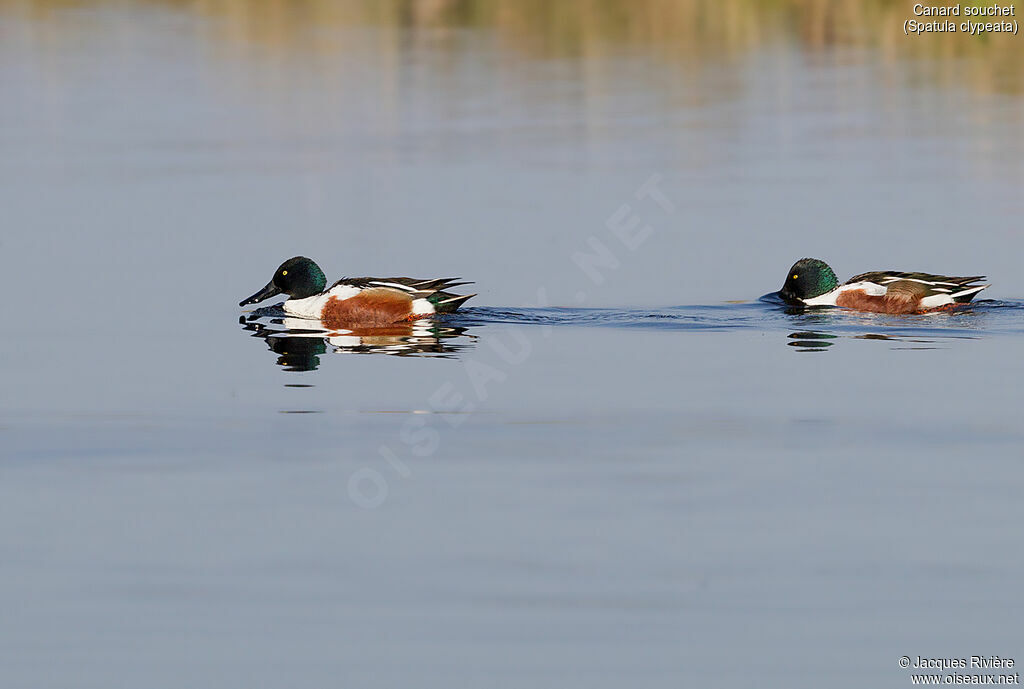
column 795, row 276
column 285, row 272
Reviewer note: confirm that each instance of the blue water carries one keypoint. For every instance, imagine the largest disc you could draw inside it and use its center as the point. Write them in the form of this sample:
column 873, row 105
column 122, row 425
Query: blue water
column 587, row 496
column 618, row 465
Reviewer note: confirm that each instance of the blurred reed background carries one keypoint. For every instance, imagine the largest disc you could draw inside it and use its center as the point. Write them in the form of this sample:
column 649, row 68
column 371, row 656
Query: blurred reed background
column 679, row 31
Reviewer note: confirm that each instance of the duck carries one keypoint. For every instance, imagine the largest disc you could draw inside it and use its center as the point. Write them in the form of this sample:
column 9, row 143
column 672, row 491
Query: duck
column 367, row 302
column 811, row 282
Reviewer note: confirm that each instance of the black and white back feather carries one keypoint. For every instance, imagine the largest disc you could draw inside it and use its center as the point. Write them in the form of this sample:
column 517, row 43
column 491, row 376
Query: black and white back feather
column 434, row 289
column 959, row 289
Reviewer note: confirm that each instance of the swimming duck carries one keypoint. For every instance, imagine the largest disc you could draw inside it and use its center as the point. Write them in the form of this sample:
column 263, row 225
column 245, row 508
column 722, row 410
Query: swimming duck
column 364, row 301
column 811, row 282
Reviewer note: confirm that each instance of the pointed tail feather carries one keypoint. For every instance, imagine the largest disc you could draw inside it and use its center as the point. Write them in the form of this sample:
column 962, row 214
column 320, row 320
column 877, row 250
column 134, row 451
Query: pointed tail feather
column 967, row 295
column 438, row 284
column 448, row 285
column 449, row 303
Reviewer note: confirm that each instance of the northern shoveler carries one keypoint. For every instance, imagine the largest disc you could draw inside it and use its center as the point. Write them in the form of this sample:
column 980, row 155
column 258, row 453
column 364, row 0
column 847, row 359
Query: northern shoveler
column 363, row 301
column 811, row 282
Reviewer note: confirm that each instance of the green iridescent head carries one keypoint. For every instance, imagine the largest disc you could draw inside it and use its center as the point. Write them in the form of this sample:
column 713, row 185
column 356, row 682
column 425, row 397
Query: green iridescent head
column 808, row 278
column 297, row 277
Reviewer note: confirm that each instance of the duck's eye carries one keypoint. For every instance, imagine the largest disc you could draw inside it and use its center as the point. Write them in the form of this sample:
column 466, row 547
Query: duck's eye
column 285, row 272
column 795, row 276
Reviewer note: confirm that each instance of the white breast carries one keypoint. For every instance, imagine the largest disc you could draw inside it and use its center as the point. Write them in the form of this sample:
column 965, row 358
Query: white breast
column 313, row 307
column 310, row 307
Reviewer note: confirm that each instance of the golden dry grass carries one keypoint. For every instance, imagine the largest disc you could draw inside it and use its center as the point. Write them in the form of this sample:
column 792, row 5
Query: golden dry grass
column 672, row 29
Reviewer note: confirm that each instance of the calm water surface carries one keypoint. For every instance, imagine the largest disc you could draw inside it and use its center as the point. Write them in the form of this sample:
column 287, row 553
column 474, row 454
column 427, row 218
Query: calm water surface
column 619, row 466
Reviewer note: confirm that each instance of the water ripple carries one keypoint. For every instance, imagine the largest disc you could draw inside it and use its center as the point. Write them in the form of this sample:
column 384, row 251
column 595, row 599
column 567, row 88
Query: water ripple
column 300, row 343
column 984, row 317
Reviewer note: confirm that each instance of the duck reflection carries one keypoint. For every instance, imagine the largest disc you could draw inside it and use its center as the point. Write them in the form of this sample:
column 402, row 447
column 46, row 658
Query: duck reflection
column 300, row 342
column 810, row 341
